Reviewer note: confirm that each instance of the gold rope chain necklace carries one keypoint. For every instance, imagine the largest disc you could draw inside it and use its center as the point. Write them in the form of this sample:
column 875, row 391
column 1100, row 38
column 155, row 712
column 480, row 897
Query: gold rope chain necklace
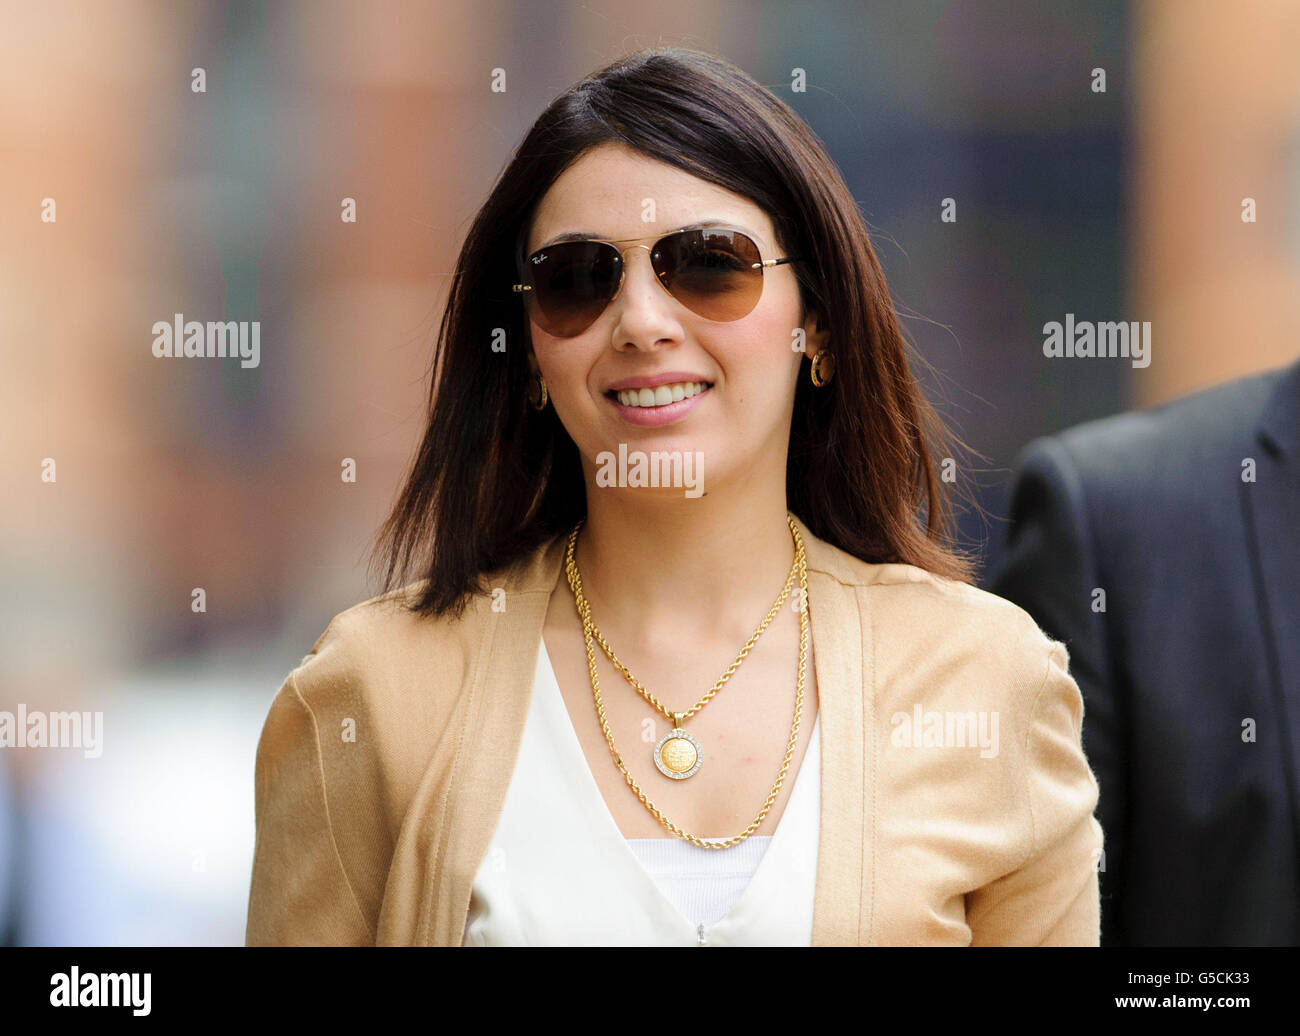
column 589, row 632
column 678, row 754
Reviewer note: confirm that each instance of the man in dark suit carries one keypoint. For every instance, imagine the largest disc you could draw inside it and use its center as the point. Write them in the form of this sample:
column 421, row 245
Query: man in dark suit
column 1163, row 548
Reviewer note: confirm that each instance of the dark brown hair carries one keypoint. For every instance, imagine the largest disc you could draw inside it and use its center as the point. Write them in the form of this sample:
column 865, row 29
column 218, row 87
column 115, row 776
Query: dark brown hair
column 493, row 478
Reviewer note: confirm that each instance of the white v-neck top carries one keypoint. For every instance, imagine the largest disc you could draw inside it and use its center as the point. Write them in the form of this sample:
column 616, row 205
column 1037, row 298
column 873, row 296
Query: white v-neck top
column 559, row 872
column 703, row 886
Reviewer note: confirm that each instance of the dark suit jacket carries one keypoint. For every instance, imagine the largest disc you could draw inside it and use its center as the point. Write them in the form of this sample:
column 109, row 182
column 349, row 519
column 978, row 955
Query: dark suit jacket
column 1191, row 674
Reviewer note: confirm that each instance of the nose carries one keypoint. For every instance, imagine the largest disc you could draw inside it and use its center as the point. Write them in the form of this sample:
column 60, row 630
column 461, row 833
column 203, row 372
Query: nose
column 641, row 294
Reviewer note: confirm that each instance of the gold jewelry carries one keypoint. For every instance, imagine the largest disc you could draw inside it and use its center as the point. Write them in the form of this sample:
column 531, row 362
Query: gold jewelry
column 823, row 368
column 584, row 609
column 537, row 394
column 677, row 754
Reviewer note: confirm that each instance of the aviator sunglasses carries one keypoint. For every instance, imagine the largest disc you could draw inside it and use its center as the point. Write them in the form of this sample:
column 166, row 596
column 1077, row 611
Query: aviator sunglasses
column 713, row 272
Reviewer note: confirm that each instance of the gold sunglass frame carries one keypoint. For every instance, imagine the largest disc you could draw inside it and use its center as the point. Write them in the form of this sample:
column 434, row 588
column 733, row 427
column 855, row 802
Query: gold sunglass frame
column 622, row 253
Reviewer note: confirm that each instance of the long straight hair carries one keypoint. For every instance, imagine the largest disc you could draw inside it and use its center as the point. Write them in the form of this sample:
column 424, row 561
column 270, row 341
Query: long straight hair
column 493, row 478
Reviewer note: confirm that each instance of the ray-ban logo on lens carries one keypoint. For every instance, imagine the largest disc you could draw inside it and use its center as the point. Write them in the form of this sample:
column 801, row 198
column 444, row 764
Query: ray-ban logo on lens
column 218, row 338
column 656, row 468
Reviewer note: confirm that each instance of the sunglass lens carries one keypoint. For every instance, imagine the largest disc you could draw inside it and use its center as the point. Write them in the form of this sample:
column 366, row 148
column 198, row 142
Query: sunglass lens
column 572, row 283
column 712, row 272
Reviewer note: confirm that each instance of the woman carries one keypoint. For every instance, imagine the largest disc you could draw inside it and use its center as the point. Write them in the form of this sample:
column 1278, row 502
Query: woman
column 686, row 664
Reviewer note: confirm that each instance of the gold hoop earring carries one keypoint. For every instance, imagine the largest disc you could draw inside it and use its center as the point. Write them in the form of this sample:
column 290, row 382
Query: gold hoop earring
column 537, row 394
column 823, row 368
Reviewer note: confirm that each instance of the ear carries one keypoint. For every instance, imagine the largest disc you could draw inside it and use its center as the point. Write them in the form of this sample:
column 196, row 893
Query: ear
column 816, row 334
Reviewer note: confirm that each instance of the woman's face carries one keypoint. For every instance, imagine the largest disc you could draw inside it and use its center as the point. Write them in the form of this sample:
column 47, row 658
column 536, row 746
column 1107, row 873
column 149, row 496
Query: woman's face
column 741, row 423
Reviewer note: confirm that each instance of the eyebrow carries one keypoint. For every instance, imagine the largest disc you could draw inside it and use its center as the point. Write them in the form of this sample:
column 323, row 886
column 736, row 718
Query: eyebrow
column 586, row 235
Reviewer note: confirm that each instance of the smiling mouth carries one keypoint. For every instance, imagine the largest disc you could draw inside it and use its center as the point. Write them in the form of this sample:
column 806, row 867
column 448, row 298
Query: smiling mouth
column 663, row 395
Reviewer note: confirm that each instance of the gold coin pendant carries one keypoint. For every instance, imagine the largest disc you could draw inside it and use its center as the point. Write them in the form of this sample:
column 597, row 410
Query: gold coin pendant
column 677, row 754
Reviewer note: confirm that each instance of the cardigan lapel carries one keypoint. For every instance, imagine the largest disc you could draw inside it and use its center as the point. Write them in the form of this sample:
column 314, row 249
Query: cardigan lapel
column 455, row 813
column 843, row 655
column 492, row 729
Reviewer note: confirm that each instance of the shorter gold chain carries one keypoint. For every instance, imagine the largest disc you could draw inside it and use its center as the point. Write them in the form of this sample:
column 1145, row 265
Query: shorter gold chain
column 584, row 610
column 673, row 717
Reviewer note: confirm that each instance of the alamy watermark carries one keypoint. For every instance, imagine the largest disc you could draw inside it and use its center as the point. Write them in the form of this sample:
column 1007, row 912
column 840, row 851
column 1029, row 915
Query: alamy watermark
column 218, row 338
column 1109, row 338
column 37, row 729
column 656, row 468
column 922, row 729
column 95, row 989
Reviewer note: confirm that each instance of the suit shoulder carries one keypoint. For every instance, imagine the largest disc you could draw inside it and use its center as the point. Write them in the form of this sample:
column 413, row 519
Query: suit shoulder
column 1199, row 430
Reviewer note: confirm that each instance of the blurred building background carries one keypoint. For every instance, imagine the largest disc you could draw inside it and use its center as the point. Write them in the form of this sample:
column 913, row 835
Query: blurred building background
column 225, row 204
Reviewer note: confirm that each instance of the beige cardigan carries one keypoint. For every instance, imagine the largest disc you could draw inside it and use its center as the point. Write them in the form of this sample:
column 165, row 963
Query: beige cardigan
column 383, row 766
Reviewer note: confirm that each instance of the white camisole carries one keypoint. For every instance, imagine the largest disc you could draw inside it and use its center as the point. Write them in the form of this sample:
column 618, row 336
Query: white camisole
column 559, row 872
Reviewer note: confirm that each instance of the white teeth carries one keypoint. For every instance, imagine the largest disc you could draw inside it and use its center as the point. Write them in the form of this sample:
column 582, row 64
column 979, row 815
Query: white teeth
column 662, row 395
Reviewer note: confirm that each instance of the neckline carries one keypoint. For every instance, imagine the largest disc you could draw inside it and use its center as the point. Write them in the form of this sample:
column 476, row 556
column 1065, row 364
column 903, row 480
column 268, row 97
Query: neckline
column 554, row 699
